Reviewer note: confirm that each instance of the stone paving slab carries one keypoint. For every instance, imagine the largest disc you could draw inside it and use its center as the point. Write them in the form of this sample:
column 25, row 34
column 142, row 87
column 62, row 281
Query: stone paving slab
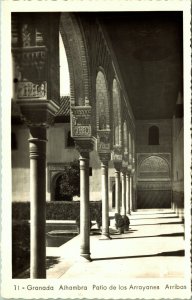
column 153, row 247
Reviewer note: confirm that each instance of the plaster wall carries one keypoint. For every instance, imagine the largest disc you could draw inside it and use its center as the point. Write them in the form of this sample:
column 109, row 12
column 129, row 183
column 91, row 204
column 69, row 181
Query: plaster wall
column 178, row 167
column 154, row 187
column 165, row 136
column 20, row 164
column 57, row 151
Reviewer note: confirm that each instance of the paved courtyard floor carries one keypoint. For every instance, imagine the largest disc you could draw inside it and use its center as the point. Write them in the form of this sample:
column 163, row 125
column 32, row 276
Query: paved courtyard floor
column 153, row 248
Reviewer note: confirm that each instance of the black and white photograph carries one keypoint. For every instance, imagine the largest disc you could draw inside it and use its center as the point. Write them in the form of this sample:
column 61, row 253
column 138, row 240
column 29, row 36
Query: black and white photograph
column 96, row 149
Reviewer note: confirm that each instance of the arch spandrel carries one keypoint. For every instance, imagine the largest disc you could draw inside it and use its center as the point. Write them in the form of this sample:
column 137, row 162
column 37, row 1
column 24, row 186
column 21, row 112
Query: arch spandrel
column 80, row 89
column 77, row 56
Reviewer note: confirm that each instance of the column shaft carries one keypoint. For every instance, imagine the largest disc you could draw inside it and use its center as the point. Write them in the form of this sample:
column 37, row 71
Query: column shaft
column 127, row 195
column 84, row 207
column 117, row 191
column 37, row 148
column 123, row 210
column 130, row 193
column 105, row 199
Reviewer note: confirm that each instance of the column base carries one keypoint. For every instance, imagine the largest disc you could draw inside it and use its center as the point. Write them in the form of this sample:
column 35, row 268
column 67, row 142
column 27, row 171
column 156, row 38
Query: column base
column 85, row 258
column 105, row 237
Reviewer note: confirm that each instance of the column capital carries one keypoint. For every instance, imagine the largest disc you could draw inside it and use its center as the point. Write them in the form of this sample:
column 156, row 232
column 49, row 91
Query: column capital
column 127, row 174
column 37, row 142
column 132, row 172
column 105, row 158
column 84, row 146
column 38, row 113
column 118, row 166
column 124, row 170
column 129, row 167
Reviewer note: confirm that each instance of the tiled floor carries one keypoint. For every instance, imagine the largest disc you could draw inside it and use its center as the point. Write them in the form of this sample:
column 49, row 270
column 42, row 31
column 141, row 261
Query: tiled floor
column 153, row 247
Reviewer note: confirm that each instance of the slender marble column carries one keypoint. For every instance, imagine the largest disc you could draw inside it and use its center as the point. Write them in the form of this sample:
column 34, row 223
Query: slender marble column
column 37, row 150
column 127, row 195
column 117, row 190
column 131, row 193
column 123, row 211
column 105, row 199
column 84, row 207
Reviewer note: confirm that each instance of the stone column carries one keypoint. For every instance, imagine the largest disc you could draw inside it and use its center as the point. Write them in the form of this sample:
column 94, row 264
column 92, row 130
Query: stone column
column 117, row 161
column 130, row 193
column 127, row 195
column 84, row 207
column 123, row 210
column 117, row 191
column 38, row 109
column 37, row 150
column 105, row 196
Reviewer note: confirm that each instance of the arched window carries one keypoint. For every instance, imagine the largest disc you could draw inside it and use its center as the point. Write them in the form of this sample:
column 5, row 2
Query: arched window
column 153, row 135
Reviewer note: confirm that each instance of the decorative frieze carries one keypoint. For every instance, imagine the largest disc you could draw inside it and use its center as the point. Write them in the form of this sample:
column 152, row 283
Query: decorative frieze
column 35, row 50
column 116, row 154
column 103, row 141
column 81, row 121
column 27, row 89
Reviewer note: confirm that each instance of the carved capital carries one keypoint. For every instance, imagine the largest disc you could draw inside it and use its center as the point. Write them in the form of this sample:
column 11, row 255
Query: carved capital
column 126, row 156
column 105, row 157
column 124, row 164
column 129, row 168
column 133, row 172
column 123, row 171
column 118, row 165
column 84, row 147
column 37, row 143
column 38, row 114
